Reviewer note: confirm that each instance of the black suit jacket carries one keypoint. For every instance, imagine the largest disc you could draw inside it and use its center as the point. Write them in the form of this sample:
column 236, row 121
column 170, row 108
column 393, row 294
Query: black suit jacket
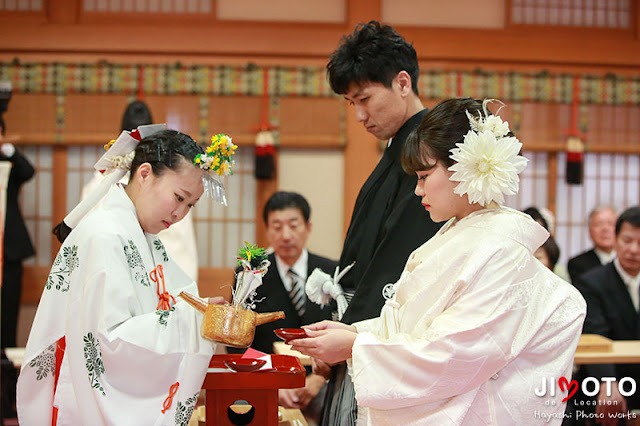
column 276, row 298
column 387, row 224
column 610, row 313
column 582, row 263
column 17, row 244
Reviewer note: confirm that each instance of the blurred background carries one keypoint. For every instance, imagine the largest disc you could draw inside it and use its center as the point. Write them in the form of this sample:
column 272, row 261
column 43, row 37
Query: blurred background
column 564, row 68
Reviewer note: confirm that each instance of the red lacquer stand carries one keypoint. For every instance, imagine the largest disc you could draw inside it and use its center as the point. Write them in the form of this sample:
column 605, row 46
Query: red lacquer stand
column 224, row 387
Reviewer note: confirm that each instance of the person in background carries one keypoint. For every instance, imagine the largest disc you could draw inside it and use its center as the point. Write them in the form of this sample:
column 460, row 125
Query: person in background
column 537, row 215
column 602, row 222
column 287, row 217
column 612, row 292
column 17, row 247
column 548, row 253
column 376, row 70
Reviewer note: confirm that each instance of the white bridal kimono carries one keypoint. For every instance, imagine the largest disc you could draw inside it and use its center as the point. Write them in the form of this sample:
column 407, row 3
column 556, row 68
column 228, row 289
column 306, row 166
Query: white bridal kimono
column 123, row 357
column 475, row 324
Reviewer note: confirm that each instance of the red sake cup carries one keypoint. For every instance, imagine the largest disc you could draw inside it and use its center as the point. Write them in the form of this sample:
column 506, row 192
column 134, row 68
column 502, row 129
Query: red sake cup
column 245, row 365
column 288, row 334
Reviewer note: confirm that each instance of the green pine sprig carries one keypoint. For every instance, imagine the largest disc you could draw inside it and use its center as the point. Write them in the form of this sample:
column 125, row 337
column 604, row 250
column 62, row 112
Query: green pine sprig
column 253, row 254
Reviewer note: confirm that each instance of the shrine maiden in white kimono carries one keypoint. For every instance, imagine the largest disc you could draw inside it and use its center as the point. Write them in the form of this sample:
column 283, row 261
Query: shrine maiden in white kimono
column 471, row 333
column 126, row 362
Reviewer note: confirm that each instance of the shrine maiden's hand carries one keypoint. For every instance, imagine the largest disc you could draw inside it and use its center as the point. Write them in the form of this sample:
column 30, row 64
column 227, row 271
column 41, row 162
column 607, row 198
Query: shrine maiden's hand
column 327, row 341
column 218, row 300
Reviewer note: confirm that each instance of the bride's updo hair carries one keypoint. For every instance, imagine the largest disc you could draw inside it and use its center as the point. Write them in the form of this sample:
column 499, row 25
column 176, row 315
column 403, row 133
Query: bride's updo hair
column 440, row 130
column 166, row 149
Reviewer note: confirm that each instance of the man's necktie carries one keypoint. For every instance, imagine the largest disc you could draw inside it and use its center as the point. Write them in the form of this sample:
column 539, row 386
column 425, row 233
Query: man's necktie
column 297, row 292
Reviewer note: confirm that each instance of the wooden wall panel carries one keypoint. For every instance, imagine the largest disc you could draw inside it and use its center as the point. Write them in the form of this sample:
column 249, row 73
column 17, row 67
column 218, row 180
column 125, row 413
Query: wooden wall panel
column 180, row 112
column 235, row 116
column 332, row 11
column 541, row 126
column 613, row 128
column 90, row 117
column 32, row 116
column 310, row 122
column 68, row 31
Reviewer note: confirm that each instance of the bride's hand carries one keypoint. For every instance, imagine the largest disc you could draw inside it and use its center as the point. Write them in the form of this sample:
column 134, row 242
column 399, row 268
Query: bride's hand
column 332, row 345
column 329, row 325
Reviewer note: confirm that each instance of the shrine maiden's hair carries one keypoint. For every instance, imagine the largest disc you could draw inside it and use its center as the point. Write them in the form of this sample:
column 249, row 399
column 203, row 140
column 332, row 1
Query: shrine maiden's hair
column 166, row 149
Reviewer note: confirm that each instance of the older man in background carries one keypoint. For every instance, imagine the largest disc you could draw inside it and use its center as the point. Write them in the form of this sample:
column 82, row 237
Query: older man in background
column 287, row 216
column 613, row 311
column 602, row 222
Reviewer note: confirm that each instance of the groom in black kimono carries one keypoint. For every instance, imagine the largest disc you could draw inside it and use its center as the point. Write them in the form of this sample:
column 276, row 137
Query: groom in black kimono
column 376, row 70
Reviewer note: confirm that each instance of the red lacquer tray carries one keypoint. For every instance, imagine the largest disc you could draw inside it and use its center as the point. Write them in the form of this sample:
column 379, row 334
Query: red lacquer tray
column 223, row 387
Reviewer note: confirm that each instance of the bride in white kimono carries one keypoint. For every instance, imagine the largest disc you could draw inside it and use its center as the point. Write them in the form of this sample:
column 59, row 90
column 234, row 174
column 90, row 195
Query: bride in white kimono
column 475, row 323
column 110, row 344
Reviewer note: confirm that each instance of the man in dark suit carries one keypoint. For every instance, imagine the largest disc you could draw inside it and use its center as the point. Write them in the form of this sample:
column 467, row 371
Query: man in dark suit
column 612, row 295
column 286, row 215
column 602, row 222
column 376, row 70
column 17, row 247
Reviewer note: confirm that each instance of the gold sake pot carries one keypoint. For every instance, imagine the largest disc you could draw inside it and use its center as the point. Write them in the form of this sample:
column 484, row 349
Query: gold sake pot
column 229, row 324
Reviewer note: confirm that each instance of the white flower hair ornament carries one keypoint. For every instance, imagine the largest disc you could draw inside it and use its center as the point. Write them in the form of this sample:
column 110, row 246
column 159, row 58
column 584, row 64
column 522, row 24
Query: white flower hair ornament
column 487, row 162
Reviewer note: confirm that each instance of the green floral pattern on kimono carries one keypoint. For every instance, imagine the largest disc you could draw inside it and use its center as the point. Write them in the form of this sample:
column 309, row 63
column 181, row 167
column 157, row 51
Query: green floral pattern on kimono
column 59, row 275
column 134, row 259
column 184, row 411
column 45, row 363
column 160, row 247
column 164, row 315
column 94, row 364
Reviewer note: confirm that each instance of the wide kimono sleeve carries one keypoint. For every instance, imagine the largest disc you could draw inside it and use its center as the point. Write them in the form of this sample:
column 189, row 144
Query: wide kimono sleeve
column 132, row 352
column 436, row 355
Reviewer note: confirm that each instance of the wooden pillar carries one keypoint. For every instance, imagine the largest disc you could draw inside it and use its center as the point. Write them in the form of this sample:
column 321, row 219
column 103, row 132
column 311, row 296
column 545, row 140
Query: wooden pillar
column 59, row 193
column 552, row 181
column 361, row 152
column 264, row 189
column 361, row 155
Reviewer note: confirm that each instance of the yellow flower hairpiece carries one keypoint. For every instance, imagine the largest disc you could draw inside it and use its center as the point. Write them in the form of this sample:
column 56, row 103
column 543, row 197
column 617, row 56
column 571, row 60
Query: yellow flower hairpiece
column 217, row 157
